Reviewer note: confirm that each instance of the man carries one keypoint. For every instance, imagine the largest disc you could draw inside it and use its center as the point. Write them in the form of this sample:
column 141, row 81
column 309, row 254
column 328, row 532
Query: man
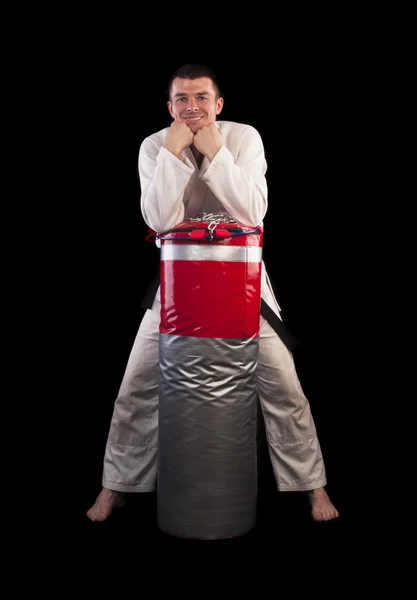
column 198, row 166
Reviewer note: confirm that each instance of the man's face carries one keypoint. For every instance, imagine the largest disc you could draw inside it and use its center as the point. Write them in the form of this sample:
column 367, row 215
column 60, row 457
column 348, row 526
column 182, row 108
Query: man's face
column 193, row 101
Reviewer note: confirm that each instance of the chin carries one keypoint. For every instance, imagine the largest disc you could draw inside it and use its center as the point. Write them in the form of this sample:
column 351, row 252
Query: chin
column 197, row 127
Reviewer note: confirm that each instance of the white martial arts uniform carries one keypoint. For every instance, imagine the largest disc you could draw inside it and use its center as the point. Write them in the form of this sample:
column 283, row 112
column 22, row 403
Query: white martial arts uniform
column 233, row 184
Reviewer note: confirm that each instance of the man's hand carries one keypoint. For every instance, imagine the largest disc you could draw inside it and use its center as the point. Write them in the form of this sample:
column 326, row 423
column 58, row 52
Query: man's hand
column 179, row 137
column 208, row 140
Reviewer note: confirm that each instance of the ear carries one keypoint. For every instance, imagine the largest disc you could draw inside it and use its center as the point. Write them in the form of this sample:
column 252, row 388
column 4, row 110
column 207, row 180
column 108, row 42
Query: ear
column 170, row 109
column 219, row 105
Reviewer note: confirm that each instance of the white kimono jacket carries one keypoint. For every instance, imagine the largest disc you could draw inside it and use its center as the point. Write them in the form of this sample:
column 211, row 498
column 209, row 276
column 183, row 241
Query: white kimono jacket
column 233, row 184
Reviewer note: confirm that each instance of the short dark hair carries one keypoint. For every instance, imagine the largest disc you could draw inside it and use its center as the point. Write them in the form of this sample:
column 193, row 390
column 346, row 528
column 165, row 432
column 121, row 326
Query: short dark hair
column 195, row 71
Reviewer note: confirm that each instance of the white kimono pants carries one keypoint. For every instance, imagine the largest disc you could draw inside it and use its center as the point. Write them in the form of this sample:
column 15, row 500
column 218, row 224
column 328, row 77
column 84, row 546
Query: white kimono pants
column 130, row 460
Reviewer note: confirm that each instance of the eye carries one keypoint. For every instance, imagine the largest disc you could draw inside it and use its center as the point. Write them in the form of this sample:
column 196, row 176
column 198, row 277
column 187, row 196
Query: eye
column 202, row 97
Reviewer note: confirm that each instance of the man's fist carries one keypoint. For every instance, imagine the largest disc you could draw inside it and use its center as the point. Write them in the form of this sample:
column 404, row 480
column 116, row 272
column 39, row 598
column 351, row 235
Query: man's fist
column 208, row 140
column 179, row 137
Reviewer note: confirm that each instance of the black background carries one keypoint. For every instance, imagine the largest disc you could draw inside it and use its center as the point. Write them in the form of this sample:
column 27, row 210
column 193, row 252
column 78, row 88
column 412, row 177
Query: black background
column 308, row 98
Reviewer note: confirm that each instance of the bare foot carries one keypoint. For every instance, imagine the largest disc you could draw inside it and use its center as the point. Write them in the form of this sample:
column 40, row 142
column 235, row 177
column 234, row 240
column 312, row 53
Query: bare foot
column 322, row 508
column 104, row 504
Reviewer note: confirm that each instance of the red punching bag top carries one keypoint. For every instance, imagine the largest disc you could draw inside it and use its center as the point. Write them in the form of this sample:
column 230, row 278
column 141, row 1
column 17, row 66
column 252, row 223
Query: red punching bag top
column 211, row 278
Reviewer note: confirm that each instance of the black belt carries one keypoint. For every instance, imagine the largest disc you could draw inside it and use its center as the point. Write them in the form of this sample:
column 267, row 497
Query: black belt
column 268, row 314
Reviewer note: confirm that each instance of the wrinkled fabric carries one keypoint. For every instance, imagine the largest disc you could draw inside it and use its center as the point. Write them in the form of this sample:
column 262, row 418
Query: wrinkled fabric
column 131, row 455
column 172, row 189
column 233, row 184
column 207, row 469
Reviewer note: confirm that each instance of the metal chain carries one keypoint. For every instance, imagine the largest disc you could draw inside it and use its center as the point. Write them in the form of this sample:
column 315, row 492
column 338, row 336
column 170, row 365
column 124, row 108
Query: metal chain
column 212, row 218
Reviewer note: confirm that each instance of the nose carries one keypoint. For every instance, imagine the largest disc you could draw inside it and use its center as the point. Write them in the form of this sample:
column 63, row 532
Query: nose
column 192, row 104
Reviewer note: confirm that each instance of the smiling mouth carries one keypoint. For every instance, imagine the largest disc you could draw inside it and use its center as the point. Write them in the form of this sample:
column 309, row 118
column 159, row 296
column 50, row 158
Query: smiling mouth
column 192, row 118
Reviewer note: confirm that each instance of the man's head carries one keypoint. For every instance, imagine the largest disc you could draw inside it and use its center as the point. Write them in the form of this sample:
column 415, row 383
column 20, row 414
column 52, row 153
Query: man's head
column 194, row 96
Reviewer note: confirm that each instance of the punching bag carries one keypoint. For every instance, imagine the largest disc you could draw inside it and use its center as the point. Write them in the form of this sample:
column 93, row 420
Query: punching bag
column 210, row 278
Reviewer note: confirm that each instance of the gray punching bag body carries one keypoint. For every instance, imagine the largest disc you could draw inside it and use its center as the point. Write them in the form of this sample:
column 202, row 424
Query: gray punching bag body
column 209, row 334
